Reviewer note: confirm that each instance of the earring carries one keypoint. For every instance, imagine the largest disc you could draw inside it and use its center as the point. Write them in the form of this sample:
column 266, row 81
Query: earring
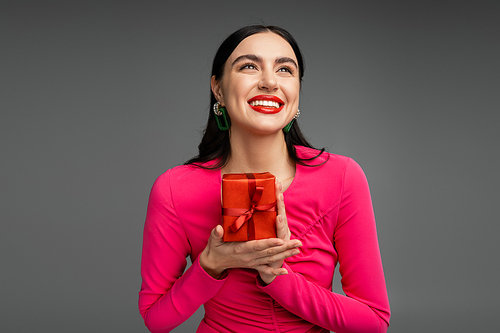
column 289, row 125
column 221, row 117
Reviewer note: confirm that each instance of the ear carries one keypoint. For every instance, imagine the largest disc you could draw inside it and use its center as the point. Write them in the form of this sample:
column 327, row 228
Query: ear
column 216, row 89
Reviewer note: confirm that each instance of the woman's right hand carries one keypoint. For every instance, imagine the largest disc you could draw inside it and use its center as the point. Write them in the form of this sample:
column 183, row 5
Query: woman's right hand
column 219, row 255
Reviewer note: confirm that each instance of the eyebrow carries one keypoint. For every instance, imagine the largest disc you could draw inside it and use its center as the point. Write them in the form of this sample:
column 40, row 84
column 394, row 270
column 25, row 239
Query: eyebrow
column 284, row 60
column 258, row 59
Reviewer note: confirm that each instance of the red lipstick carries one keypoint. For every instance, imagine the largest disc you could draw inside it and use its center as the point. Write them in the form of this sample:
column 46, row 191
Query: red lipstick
column 266, row 109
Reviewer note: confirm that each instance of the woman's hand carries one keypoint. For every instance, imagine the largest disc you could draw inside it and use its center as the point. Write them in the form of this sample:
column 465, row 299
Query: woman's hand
column 264, row 255
column 219, row 255
column 267, row 271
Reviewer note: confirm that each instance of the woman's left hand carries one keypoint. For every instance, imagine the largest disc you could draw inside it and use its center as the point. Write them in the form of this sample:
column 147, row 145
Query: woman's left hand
column 282, row 232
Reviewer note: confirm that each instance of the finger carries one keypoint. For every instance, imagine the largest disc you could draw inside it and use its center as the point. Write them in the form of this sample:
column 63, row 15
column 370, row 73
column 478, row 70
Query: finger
column 273, row 255
column 219, row 231
column 272, row 251
column 217, row 234
column 265, row 269
column 277, row 258
column 280, row 199
column 280, row 256
column 277, row 187
column 281, row 228
column 260, row 244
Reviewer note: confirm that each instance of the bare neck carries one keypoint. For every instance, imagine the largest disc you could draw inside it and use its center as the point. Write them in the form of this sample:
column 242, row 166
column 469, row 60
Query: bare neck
column 257, row 153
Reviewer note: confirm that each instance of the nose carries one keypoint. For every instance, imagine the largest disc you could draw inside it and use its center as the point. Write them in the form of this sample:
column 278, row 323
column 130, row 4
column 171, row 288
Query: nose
column 268, row 81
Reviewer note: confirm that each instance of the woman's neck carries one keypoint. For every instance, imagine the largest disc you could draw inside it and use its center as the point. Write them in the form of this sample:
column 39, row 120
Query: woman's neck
column 259, row 153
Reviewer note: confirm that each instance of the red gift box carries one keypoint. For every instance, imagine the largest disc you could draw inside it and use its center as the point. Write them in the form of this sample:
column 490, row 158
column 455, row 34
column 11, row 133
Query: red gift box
column 248, row 206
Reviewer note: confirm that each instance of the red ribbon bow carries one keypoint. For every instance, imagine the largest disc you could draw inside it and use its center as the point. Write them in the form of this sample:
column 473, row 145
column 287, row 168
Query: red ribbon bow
column 245, row 215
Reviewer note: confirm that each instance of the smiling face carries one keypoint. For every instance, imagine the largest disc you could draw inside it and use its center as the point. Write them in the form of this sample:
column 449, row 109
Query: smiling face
column 260, row 85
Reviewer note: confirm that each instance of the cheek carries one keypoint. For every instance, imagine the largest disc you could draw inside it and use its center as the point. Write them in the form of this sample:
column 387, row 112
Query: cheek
column 237, row 90
column 293, row 92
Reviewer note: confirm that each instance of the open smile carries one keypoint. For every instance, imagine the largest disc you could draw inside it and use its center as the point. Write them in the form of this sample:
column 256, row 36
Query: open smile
column 267, row 104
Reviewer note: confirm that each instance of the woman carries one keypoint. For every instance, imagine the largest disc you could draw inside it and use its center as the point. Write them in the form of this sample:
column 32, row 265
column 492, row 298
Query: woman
column 324, row 212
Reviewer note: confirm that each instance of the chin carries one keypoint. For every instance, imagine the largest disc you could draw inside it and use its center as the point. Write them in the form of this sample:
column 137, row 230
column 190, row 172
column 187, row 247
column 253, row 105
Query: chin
column 267, row 130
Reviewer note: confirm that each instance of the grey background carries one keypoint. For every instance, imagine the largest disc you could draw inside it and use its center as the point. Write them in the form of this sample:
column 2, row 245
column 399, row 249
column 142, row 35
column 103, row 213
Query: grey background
column 98, row 98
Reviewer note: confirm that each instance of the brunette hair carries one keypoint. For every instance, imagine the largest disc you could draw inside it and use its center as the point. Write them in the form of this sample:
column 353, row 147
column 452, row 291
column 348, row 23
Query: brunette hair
column 215, row 143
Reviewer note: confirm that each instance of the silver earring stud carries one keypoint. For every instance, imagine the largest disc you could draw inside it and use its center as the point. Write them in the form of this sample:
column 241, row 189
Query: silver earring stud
column 216, row 109
column 297, row 115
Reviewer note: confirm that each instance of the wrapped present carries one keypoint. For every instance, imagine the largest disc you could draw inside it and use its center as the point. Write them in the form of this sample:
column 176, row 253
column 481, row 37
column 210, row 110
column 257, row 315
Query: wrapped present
column 248, row 206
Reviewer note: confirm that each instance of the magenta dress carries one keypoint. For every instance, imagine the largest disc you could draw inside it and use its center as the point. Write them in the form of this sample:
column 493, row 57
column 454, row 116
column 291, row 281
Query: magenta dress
column 329, row 209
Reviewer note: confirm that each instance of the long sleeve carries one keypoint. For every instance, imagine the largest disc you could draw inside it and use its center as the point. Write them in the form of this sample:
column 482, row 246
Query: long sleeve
column 168, row 297
column 365, row 308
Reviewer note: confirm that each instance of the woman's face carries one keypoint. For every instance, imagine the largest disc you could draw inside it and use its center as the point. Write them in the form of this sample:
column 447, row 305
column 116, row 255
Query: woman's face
column 260, row 86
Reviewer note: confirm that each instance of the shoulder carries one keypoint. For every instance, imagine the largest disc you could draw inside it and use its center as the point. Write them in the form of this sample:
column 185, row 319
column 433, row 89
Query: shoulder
column 328, row 169
column 184, row 184
column 184, row 175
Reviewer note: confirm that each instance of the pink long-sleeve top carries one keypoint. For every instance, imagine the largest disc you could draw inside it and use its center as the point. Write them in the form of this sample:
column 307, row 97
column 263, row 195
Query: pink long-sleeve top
column 328, row 208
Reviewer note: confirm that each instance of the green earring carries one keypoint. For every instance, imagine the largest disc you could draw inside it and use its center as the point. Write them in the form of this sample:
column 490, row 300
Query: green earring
column 288, row 126
column 221, row 117
column 286, row 129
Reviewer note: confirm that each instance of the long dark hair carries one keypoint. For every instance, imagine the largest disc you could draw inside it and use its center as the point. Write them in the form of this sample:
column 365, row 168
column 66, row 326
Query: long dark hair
column 215, row 143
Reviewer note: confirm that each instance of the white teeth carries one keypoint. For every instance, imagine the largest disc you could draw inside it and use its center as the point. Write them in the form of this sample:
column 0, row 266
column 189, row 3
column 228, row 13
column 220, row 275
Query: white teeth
column 265, row 103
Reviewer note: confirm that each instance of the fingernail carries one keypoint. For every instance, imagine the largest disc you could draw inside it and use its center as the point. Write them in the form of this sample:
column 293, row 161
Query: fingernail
column 295, row 252
column 299, row 244
column 281, row 197
column 280, row 219
column 284, row 272
column 280, row 187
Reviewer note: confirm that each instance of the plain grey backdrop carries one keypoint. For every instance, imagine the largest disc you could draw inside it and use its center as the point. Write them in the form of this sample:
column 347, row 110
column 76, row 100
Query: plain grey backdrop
column 98, row 98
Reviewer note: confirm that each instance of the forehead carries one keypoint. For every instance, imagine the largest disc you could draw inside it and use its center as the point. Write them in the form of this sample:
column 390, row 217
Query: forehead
column 265, row 45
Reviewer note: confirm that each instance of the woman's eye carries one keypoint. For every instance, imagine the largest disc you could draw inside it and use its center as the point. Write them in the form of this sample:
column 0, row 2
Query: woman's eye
column 286, row 70
column 248, row 66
